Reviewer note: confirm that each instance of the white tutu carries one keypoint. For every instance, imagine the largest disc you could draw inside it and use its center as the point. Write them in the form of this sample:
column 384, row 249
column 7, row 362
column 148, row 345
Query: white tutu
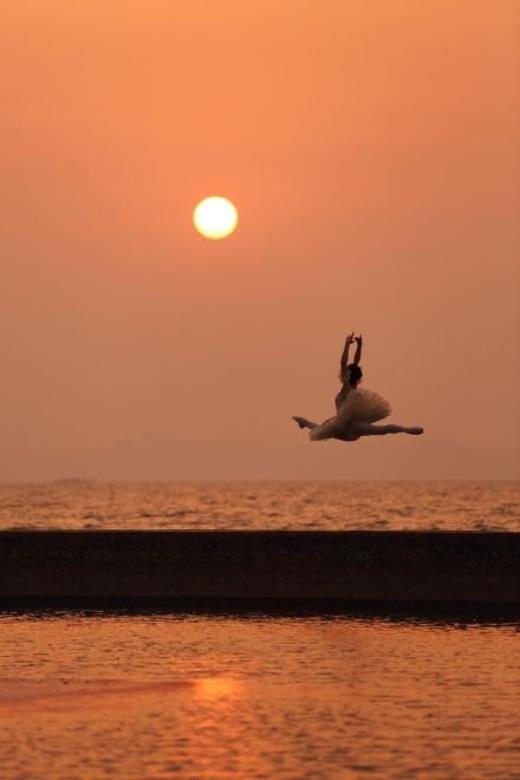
column 360, row 405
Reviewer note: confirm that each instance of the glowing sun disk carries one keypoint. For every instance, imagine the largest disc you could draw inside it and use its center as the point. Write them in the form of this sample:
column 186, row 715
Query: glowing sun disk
column 215, row 217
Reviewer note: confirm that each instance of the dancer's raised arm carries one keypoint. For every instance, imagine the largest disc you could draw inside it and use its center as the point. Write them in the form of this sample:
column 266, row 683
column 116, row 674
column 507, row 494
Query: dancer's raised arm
column 344, row 357
column 359, row 342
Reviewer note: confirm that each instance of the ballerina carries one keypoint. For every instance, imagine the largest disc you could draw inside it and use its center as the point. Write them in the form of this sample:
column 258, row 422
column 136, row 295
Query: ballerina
column 357, row 409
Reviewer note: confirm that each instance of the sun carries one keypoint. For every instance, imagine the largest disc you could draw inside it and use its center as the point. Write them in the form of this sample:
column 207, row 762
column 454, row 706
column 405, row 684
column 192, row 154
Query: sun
column 215, row 217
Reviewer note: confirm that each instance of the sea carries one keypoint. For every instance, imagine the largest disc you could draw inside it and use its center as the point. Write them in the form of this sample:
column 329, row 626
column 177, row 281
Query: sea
column 291, row 695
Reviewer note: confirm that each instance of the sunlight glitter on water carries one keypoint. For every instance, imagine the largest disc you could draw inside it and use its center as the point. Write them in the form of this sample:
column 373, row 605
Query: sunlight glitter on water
column 153, row 696
column 269, row 505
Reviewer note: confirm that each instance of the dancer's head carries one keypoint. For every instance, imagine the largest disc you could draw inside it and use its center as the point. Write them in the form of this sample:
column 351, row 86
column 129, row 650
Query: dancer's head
column 353, row 374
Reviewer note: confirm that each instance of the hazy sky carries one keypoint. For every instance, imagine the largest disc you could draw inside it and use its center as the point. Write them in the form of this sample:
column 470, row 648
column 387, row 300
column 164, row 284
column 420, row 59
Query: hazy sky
column 371, row 149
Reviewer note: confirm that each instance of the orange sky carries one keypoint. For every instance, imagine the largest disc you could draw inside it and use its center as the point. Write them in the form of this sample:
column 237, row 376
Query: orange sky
column 372, row 151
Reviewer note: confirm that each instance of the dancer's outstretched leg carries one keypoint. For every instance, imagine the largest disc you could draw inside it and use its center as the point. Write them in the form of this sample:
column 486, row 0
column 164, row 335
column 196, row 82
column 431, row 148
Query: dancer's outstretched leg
column 303, row 423
column 368, row 429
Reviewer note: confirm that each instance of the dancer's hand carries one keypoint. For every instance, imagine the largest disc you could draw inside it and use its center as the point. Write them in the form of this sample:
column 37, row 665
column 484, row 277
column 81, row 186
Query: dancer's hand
column 359, row 339
column 350, row 339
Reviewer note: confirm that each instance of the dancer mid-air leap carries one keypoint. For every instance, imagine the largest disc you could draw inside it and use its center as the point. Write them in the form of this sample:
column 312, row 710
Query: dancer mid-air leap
column 357, row 409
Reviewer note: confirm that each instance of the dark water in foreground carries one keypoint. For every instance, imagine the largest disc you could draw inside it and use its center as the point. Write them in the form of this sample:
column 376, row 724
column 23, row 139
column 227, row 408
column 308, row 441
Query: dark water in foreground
column 159, row 696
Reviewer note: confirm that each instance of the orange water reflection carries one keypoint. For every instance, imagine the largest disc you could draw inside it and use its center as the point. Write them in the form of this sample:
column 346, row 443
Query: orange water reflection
column 217, row 688
column 199, row 697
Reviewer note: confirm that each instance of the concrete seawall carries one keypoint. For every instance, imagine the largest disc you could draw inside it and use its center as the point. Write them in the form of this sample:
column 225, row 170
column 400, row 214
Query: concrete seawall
column 292, row 566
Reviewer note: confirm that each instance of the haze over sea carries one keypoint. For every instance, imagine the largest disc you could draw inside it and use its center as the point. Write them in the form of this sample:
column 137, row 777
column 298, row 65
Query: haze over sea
column 93, row 695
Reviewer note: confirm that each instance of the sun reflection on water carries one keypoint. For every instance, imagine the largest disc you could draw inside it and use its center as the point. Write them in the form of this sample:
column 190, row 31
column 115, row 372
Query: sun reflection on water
column 214, row 688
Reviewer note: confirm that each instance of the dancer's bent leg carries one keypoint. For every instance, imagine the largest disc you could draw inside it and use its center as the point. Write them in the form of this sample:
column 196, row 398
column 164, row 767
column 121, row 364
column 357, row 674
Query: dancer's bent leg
column 368, row 429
